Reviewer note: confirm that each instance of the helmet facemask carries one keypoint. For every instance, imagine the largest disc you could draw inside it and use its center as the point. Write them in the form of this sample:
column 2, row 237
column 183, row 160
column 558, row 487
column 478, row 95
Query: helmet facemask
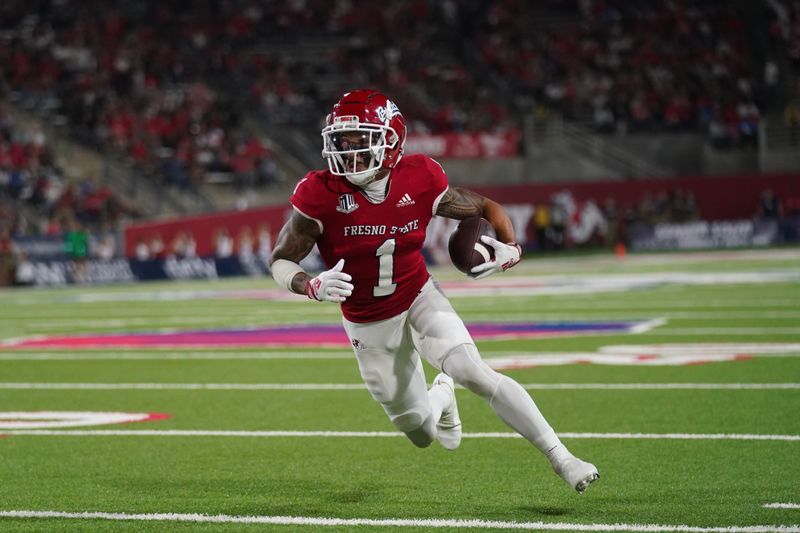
column 356, row 150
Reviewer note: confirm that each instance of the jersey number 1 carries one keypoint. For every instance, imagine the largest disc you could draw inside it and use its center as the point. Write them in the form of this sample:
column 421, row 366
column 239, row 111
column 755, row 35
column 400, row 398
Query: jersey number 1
column 385, row 255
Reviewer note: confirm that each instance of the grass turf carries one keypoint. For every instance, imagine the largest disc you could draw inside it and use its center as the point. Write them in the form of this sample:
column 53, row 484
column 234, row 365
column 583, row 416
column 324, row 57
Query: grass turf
column 702, row 483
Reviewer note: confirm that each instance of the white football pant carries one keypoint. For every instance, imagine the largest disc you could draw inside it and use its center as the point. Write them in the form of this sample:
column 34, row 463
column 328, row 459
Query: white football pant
column 388, row 353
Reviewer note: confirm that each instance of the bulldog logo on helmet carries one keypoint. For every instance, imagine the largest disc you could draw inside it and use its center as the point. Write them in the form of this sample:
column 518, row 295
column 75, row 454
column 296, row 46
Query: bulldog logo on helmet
column 363, row 136
column 386, row 113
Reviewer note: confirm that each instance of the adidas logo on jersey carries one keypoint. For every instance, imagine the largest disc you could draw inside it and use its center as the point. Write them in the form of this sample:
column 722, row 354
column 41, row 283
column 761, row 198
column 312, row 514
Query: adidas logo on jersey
column 405, row 201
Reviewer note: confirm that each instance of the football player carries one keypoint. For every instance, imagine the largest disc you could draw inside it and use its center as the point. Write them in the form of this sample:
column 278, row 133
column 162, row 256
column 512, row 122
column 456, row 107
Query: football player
column 367, row 214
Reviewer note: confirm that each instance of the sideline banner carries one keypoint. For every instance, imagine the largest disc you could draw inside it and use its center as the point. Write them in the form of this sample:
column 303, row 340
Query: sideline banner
column 42, row 247
column 54, row 273
column 62, row 272
column 687, row 236
column 485, row 145
column 704, row 234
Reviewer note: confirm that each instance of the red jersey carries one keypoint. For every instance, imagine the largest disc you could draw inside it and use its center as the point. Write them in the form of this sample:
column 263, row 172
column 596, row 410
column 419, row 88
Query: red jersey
column 381, row 244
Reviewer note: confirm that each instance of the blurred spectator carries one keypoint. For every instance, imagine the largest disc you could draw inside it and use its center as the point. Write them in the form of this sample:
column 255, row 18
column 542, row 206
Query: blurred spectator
column 769, row 206
column 191, row 245
column 556, row 235
column 264, row 246
column 246, row 251
column 7, row 259
column 24, row 275
column 223, row 244
column 772, row 78
column 142, row 250
column 791, row 118
column 245, row 247
column 612, row 216
column 749, row 117
column 104, row 248
column 177, row 248
column 157, row 248
column 76, row 246
column 541, row 221
column 244, row 200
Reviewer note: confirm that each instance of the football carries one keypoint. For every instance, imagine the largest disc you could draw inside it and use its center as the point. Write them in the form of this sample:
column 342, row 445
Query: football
column 465, row 246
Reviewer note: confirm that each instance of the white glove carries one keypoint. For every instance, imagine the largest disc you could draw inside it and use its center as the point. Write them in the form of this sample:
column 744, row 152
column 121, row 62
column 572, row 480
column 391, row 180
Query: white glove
column 331, row 285
column 505, row 257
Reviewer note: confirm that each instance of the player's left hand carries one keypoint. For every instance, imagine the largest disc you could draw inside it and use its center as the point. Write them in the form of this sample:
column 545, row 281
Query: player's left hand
column 505, row 257
column 331, row 286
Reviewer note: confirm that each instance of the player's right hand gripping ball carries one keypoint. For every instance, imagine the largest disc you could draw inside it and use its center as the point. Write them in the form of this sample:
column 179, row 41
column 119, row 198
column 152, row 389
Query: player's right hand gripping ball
column 465, row 246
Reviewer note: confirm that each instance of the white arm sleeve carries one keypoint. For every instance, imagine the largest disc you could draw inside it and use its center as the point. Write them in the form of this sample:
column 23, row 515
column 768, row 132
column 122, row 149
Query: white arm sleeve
column 283, row 271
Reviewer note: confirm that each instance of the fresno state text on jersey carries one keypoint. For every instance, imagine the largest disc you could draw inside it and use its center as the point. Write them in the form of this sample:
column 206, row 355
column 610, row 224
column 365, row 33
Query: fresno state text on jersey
column 380, row 243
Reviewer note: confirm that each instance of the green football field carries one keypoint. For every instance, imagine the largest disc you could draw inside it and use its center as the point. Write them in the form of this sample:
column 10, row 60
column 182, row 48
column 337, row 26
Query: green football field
column 693, row 417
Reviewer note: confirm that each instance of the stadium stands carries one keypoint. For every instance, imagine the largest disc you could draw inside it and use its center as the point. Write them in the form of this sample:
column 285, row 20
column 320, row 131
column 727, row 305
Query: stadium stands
column 155, row 80
column 187, row 99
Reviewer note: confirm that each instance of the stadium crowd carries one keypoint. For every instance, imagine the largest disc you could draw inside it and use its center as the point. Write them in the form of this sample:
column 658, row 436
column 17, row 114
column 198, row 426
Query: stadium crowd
column 181, row 93
column 32, row 182
column 169, row 85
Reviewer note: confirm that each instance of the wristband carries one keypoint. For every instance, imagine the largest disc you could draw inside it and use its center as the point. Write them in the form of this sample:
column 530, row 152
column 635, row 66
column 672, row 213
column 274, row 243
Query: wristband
column 283, row 272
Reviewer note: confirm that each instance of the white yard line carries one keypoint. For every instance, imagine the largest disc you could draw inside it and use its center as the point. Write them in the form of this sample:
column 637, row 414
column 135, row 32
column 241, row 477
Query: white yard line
column 361, row 386
column 154, row 355
column 184, row 386
column 661, row 386
column 781, row 505
column 726, row 331
column 687, row 303
column 381, row 434
column 392, row 522
column 556, row 315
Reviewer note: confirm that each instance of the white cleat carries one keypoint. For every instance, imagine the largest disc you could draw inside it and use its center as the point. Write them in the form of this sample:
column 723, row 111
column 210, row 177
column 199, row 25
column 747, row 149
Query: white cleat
column 449, row 424
column 578, row 474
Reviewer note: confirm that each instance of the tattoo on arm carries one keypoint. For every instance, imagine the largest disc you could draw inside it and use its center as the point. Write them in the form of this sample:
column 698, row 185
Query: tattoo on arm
column 295, row 241
column 460, row 203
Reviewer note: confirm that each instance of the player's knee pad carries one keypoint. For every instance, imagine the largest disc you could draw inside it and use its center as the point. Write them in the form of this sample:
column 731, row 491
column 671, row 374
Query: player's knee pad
column 409, row 419
column 465, row 366
column 424, row 435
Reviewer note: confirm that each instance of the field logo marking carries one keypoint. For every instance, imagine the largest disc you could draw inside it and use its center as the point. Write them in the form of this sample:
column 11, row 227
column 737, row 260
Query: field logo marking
column 452, row 523
column 316, row 335
column 647, row 355
column 17, row 420
column 650, row 355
